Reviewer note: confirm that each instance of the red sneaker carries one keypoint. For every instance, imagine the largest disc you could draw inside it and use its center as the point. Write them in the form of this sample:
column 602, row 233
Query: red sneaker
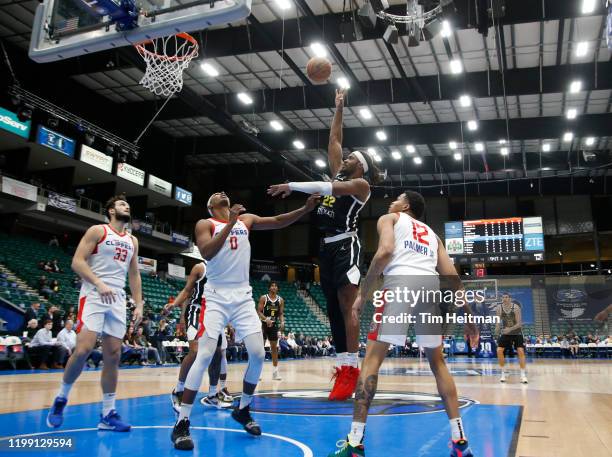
column 336, row 377
column 346, row 381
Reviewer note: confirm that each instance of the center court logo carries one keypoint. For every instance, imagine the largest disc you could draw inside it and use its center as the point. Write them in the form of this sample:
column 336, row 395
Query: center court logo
column 316, row 403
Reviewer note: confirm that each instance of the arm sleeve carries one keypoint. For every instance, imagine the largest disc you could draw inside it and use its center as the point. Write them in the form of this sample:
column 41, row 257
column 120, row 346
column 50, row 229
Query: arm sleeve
column 312, row 187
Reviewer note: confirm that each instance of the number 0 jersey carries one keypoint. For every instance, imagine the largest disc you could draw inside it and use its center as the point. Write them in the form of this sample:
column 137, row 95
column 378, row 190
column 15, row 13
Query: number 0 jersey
column 416, row 248
column 230, row 266
column 339, row 214
column 110, row 259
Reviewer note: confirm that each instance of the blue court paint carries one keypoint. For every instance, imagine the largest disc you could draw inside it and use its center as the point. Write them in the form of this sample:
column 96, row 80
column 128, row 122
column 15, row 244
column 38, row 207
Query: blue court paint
column 490, row 428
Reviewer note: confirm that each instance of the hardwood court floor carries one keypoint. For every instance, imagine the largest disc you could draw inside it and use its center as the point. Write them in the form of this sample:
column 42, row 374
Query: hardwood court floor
column 566, row 408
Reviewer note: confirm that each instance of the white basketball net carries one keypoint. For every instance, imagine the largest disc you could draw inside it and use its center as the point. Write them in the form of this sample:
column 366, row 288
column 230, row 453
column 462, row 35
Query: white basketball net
column 166, row 59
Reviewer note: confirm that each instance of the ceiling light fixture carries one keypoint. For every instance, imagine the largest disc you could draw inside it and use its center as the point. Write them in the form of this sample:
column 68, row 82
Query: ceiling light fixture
column 318, row 49
column 276, row 125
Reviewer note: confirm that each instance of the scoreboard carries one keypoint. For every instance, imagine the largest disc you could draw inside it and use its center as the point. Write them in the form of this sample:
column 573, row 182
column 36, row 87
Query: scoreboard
column 511, row 239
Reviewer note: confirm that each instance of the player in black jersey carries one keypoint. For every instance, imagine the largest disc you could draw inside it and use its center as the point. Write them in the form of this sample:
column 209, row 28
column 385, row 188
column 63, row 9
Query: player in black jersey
column 339, row 256
column 271, row 310
column 191, row 299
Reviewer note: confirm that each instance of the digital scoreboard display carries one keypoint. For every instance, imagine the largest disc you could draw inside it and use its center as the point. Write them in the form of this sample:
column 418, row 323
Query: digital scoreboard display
column 512, row 239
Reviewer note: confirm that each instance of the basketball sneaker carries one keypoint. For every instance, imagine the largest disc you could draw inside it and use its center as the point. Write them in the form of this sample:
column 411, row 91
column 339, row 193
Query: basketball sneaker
column 524, row 379
column 181, row 436
column 460, row 448
column 55, row 418
column 346, row 450
column 112, row 421
column 177, row 399
column 345, row 382
column 243, row 417
column 222, row 403
column 211, row 401
column 503, row 377
column 227, row 397
column 276, row 376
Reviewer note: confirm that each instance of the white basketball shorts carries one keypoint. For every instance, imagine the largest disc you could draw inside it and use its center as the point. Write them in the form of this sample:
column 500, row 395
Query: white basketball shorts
column 230, row 306
column 99, row 317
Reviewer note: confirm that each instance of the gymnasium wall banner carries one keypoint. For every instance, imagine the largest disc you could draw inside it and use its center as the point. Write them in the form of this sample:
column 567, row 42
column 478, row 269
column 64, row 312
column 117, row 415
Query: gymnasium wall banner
column 577, row 298
column 265, row 270
column 176, row 271
column 179, row 238
column 55, row 141
column 62, row 202
column 142, row 227
column 146, row 264
column 182, row 195
column 96, row 158
column 19, row 189
column 159, row 185
column 11, row 123
column 133, row 174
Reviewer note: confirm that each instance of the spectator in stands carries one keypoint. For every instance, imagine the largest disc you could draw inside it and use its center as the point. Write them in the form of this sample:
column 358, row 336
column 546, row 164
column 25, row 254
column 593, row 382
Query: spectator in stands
column 297, row 349
column 67, row 338
column 146, row 326
column 284, row 349
column 330, row 349
column 48, row 267
column 141, row 340
column 129, row 352
column 42, row 344
column 55, row 286
column 31, row 328
column 592, row 339
column 54, row 241
column 76, row 282
column 55, row 267
column 162, row 334
column 43, row 287
column 565, row 346
column 574, row 344
column 32, row 313
column 41, row 265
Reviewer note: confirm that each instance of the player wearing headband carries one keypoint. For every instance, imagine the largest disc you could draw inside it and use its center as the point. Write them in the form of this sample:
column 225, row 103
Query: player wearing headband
column 340, row 254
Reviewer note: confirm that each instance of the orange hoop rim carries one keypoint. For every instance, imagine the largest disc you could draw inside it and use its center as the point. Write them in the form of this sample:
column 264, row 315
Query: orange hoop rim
column 184, row 35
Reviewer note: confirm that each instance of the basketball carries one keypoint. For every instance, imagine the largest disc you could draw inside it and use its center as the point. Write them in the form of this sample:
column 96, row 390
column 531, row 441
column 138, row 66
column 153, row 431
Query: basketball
column 318, row 69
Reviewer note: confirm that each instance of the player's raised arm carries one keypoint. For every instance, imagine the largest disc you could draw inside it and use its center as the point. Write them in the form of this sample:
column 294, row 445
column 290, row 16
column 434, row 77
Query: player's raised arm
column 209, row 245
column 358, row 187
column 255, row 222
column 334, row 149
column 136, row 284
column 86, row 247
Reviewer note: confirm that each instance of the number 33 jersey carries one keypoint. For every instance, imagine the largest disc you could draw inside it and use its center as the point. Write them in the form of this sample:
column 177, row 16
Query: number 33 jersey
column 110, row 259
column 230, row 266
column 416, row 248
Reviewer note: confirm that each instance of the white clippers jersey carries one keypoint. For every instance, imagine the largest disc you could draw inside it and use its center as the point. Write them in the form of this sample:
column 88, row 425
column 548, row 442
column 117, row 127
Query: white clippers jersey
column 230, row 266
column 111, row 259
column 416, row 248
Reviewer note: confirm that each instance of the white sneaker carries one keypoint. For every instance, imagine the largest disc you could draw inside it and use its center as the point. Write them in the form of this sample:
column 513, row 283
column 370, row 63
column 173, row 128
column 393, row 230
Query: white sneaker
column 524, row 380
column 276, row 376
column 503, row 377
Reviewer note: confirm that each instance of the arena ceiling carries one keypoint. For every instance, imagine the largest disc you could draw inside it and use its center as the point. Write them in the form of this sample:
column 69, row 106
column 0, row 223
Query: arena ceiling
column 517, row 79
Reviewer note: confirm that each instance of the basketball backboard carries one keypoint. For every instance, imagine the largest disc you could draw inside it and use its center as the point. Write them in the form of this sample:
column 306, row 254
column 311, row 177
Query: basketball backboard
column 68, row 28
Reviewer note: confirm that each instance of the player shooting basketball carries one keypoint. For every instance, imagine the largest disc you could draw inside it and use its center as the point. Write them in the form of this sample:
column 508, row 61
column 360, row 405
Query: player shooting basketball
column 340, row 254
column 102, row 259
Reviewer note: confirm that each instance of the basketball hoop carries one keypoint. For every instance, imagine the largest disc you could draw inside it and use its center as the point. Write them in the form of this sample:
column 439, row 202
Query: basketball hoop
column 166, row 59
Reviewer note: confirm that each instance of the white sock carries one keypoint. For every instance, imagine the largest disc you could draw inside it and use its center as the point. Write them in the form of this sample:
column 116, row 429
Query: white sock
column 457, row 432
column 212, row 391
column 180, row 386
column 108, row 403
column 64, row 390
column 523, row 373
column 503, row 370
column 352, row 359
column 355, row 436
column 222, row 383
column 245, row 400
column 185, row 412
column 341, row 359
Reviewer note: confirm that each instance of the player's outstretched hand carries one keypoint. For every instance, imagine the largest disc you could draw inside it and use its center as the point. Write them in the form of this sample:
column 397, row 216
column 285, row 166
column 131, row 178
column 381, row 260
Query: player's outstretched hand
column 107, row 295
column 167, row 308
column 312, row 202
column 602, row 316
column 235, row 211
column 339, row 98
column 279, row 189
